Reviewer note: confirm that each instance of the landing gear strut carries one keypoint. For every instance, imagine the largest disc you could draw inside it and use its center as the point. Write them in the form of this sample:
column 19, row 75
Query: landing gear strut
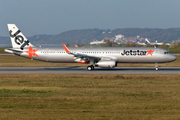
column 89, row 68
column 156, row 66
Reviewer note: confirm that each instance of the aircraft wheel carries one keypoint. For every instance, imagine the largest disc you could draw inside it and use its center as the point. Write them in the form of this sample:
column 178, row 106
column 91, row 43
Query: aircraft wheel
column 157, row 68
column 89, row 68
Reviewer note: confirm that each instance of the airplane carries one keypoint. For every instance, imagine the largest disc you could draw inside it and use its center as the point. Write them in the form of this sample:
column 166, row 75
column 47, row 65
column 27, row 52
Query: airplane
column 98, row 57
column 156, row 43
column 97, row 42
column 139, row 43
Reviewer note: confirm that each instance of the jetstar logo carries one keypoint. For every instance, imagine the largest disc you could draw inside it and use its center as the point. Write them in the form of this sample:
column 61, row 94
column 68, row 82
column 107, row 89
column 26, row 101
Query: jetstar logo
column 19, row 39
column 137, row 52
column 149, row 52
column 32, row 52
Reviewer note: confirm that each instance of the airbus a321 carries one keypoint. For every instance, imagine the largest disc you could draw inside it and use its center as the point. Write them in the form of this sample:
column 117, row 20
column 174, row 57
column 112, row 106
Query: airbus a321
column 98, row 57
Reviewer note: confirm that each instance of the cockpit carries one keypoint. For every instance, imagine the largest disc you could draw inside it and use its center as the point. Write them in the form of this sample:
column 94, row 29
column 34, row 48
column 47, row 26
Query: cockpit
column 167, row 52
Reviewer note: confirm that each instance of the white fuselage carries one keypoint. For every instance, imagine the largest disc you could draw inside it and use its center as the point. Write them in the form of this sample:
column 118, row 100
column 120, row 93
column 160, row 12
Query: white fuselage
column 118, row 54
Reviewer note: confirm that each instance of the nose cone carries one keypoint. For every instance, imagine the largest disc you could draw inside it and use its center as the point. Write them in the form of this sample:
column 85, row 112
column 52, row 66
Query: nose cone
column 172, row 58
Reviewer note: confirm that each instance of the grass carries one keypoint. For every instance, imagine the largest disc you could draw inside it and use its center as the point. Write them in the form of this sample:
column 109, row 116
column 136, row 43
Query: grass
column 174, row 50
column 12, row 60
column 2, row 50
column 89, row 97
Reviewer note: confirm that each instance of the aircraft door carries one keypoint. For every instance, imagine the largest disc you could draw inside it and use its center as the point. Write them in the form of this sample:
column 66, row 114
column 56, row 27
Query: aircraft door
column 156, row 52
column 156, row 55
column 46, row 53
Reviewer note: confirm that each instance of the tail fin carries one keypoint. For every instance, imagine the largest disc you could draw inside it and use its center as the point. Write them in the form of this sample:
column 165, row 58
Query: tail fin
column 147, row 41
column 137, row 41
column 156, row 40
column 18, row 40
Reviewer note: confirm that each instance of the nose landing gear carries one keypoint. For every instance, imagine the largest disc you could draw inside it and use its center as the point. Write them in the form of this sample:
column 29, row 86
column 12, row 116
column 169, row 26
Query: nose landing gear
column 156, row 66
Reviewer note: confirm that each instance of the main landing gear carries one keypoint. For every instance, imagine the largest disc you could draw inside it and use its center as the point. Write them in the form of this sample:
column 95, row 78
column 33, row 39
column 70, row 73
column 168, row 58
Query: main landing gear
column 156, row 66
column 89, row 68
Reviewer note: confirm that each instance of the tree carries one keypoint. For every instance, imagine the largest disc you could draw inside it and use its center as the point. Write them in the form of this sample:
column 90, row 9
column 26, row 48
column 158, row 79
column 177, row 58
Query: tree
column 174, row 44
column 107, row 44
column 68, row 45
column 133, row 44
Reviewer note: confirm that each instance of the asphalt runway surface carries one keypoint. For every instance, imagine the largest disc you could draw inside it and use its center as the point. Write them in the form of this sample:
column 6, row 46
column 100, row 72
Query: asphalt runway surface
column 82, row 70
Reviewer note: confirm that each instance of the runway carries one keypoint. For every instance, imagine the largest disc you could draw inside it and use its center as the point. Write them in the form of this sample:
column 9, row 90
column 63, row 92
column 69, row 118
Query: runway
column 82, row 70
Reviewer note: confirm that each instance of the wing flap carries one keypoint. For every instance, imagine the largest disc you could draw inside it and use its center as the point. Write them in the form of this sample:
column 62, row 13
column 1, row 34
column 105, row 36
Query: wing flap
column 79, row 54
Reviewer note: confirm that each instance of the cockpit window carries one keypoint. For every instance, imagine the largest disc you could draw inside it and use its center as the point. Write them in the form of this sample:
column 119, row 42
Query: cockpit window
column 167, row 52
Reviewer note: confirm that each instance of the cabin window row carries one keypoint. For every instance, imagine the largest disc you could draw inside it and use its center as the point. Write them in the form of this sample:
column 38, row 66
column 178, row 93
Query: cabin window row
column 53, row 52
column 102, row 52
column 87, row 52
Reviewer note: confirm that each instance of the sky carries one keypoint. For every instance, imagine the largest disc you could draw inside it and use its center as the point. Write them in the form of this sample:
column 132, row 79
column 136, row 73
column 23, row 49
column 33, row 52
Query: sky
column 51, row 17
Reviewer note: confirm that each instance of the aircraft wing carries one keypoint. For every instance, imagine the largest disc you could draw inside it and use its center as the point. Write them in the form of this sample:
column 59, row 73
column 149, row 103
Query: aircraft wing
column 80, row 55
column 86, row 56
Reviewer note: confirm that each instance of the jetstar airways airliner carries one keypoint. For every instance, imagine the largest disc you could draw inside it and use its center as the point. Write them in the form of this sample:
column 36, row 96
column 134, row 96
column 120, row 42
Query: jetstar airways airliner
column 99, row 57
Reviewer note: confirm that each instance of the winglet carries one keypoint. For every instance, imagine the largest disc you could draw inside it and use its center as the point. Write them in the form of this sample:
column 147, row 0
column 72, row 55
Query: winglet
column 66, row 49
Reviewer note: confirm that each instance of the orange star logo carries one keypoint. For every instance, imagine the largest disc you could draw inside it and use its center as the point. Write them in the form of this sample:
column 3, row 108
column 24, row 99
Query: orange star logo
column 32, row 52
column 149, row 52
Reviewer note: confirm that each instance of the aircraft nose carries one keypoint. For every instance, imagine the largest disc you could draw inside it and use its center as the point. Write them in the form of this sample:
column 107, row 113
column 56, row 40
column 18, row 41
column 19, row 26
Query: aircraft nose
column 173, row 57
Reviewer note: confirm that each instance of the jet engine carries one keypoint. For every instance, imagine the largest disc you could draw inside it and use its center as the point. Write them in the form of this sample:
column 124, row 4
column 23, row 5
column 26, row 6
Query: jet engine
column 106, row 63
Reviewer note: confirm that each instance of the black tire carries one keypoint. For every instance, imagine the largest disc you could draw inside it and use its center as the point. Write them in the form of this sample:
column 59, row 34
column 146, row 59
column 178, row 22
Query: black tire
column 157, row 68
column 89, row 68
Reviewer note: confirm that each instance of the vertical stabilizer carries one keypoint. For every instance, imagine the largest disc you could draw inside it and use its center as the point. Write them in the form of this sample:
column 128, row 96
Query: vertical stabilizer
column 18, row 40
column 147, row 41
column 137, row 40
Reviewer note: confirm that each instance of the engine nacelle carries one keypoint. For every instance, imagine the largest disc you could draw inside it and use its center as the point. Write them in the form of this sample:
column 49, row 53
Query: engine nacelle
column 106, row 63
